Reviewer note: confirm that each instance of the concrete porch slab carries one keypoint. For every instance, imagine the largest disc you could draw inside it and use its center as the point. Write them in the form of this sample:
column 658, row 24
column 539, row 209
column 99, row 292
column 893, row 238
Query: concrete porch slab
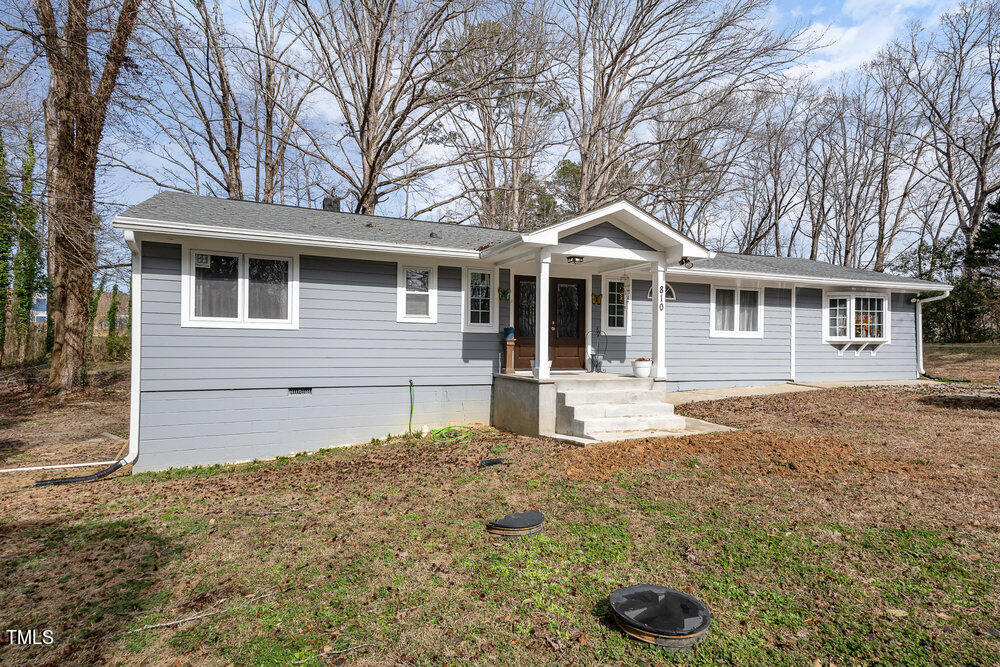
column 692, row 426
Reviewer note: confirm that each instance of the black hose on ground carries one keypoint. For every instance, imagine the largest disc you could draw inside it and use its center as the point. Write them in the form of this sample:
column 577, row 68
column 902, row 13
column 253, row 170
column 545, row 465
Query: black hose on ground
column 940, row 379
column 86, row 478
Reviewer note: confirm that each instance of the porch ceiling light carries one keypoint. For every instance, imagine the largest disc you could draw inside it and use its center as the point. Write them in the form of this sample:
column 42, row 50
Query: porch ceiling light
column 574, row 259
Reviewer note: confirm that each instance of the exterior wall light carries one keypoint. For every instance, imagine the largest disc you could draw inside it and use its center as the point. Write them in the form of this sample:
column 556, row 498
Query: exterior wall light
column 574, row 259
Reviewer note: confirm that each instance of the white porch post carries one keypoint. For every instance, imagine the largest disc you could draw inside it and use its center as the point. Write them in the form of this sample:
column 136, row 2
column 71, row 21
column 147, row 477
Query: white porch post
column 659, row 319
column 542, row 315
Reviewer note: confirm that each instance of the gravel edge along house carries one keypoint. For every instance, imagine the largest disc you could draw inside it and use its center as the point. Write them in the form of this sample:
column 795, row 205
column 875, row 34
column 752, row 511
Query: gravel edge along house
column 264, row 330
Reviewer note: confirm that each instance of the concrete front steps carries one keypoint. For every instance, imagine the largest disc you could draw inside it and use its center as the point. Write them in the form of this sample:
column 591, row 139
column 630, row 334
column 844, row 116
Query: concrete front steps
column 613, row 408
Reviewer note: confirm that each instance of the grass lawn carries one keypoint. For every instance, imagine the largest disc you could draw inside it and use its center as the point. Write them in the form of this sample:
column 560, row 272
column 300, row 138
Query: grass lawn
column 850, row 525
column 979, row 362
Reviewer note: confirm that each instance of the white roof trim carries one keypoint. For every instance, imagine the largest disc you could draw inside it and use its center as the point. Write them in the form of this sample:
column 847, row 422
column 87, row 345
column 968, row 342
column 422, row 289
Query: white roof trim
column 209, row 231
column 621, row 212
column 806, row 280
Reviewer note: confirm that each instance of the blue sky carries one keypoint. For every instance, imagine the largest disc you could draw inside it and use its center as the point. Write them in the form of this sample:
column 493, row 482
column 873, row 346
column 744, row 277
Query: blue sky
column 852, row 32
column 856, row 29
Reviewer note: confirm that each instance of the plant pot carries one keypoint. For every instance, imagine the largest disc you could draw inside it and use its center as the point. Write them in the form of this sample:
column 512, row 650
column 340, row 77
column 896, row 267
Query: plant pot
column 642, row 369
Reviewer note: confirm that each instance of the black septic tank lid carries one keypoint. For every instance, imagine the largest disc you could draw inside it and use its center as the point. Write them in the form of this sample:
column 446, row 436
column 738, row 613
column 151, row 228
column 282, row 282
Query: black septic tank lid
column 660, row 615
column 517, row 524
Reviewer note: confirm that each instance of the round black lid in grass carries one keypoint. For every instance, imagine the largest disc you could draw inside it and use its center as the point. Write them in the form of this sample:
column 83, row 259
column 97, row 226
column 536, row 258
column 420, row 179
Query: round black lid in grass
column 660, row 610
column 519, row 520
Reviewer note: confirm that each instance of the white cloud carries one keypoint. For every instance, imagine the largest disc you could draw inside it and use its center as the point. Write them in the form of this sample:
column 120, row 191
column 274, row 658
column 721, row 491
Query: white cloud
column 866, row 27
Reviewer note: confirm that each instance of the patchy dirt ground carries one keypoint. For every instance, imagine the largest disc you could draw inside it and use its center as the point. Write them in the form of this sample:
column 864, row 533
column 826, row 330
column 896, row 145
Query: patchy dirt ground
column 37, row 429
column 853, row 526
column 979, row 362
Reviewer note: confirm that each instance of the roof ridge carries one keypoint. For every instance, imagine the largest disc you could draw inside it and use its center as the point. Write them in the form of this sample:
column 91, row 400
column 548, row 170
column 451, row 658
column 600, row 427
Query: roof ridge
column 224, row 200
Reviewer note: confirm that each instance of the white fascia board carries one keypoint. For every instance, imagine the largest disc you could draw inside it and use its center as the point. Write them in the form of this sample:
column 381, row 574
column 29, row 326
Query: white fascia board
column 800, row 280
column 208, row 231
column 608, row 253
column 622, row 212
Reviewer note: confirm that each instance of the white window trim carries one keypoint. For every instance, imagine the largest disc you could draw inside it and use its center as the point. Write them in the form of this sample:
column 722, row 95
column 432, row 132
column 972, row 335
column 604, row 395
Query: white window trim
column 241, row 321
column 605, row 302
column 494, row 324
column 714, row 333
column 432, row 301
column 850, row 338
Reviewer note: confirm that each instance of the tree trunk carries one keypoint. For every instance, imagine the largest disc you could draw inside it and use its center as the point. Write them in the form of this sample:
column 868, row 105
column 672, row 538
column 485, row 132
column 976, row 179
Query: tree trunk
column 73, row 258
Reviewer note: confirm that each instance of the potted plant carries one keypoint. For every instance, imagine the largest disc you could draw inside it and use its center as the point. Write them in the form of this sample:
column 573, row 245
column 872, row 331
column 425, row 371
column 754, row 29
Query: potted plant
column 548, row 364
column 642, row 367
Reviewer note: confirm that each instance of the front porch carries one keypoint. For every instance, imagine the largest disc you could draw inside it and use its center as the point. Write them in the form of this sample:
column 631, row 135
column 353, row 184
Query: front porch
column 572, row 286
column 588, row 407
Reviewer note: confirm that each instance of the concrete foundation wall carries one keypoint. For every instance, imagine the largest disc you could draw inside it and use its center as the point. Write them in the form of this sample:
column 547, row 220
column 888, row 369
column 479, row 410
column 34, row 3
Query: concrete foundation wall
column 523, row 405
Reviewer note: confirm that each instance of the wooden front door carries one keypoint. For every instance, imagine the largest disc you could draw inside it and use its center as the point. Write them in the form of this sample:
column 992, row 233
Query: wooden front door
column 567, row 322
column 524, row 321
column 567, row 313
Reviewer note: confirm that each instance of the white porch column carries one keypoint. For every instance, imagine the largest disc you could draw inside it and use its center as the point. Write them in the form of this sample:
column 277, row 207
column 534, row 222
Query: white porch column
column 659, row 319
column 542, row 315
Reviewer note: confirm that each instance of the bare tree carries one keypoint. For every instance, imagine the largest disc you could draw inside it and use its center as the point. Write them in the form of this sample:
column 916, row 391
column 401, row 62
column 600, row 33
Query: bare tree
column 954, row 72
column 509, row 125
column 218, row 107
column 770, row 182
column 384, row 64
column 633, row 62
column 75, row 40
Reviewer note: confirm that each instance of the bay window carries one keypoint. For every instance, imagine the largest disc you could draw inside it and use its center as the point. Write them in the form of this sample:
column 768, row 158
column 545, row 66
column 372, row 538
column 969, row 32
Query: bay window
column 856, row 317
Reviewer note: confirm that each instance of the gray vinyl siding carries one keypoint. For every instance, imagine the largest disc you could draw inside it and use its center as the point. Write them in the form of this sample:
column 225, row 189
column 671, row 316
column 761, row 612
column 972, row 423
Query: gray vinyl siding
column 349, row 349
column 695, row 358
column 606, row 235
column 347, row 337
column 817, row 361
column 181, row 428
column 620, row 351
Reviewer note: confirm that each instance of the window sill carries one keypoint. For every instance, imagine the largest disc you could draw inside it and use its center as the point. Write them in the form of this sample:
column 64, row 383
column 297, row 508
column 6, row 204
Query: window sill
column 417, row 320
column 617, row 332
column 231, row 324
column 736, row 334
column 480, row 328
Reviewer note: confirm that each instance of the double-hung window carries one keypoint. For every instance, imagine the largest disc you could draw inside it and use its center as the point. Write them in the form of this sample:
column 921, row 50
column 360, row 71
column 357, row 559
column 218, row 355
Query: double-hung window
column 416, row 294
column 616, row 306
column 736, row 313
column 856, row 318
column 239, row 290
column 479, row 301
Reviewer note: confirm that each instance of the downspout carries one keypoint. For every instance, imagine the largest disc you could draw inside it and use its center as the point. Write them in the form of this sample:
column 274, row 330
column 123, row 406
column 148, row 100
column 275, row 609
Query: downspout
column 791, row 337
column 133, row 440
column 920, row 326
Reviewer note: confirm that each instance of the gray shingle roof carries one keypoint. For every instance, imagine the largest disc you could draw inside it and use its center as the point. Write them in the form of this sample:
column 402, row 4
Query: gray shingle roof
column 182, row 208
column 185, row 208
column 804, row 268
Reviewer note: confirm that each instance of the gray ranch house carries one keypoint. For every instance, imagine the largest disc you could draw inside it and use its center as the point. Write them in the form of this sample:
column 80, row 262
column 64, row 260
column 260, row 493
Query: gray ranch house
column 263, row 330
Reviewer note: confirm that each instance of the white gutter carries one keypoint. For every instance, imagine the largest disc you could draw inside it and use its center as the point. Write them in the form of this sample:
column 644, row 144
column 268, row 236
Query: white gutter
column 803, row 280
column 135, row 396
column 920, row 326
column 133, row 439
column 208, row 231
column 791, row 337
